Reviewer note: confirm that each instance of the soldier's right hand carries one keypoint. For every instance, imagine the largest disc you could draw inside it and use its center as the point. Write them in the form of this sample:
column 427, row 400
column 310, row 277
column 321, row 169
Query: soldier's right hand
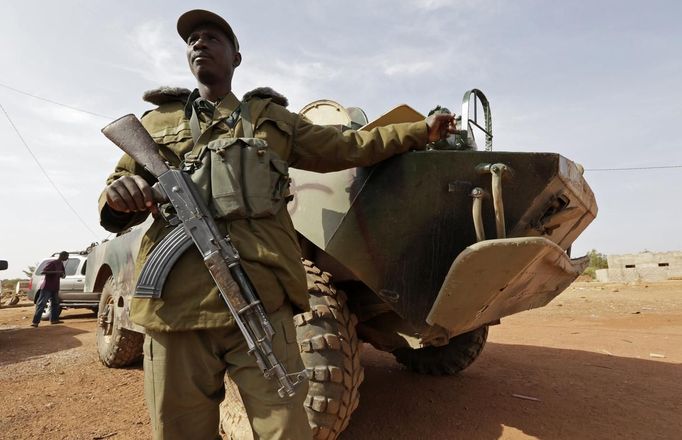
column 130, row 194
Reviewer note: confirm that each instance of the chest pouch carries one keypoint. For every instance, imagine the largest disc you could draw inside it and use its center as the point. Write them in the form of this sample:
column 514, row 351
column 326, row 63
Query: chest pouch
column 241, row 177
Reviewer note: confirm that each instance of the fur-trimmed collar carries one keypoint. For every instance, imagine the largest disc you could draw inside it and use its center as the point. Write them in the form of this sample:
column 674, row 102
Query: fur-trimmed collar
column 267, row 93
column 164, row 95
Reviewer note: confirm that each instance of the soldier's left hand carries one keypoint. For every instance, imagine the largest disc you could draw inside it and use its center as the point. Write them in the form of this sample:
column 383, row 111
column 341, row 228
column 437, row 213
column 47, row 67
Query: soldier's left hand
column 440, row 125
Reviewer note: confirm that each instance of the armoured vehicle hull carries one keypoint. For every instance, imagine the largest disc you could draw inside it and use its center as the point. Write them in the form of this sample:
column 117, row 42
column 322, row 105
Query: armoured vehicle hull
column 432, row 244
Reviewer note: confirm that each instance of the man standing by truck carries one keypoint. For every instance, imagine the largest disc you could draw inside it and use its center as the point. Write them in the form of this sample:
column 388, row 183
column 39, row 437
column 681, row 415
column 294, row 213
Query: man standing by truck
column 49, row 289
column 191, row 338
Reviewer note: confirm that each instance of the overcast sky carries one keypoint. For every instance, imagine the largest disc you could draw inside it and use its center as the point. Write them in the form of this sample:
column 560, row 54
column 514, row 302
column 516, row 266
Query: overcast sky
column 598, row 82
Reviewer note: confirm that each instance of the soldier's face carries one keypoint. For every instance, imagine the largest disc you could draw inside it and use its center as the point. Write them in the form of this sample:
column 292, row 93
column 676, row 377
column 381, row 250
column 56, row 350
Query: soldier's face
column 212, row 57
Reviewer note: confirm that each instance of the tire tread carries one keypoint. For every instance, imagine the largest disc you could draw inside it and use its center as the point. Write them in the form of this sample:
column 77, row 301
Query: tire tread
column 125, row 346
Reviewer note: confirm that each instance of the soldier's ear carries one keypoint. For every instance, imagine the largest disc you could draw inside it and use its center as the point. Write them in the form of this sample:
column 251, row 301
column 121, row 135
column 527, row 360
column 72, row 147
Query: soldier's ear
column 237, row 59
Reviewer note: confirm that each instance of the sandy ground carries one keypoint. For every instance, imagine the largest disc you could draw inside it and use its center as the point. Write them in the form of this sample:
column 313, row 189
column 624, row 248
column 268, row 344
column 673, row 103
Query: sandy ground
column 600, row 362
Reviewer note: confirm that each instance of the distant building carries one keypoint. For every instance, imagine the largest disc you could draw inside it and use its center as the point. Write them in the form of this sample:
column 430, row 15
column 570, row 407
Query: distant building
column 645, row 266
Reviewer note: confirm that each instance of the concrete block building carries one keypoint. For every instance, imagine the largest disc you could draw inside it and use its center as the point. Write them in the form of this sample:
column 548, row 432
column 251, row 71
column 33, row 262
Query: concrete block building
column 645, row 266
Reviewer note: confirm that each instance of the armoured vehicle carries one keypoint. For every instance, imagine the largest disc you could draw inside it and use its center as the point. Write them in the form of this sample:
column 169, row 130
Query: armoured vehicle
column 417, row 256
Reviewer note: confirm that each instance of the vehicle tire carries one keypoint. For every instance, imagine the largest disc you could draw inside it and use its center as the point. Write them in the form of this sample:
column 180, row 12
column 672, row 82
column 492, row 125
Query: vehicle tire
column 458, row 354
column 331, row 354
column 234, row 423
column 117, row 347
column 48, row 310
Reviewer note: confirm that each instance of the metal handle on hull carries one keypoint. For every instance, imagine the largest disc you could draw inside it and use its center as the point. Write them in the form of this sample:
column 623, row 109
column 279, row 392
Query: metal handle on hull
column 496, row 170
column 477, row 95
column 477, row 212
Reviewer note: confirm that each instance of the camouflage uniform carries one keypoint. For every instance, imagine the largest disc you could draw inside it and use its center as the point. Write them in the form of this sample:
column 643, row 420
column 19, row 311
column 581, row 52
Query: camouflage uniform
column 191, row 309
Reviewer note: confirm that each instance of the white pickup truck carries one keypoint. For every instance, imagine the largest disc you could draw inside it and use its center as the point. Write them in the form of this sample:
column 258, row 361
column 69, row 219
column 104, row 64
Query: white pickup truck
column 72, row 293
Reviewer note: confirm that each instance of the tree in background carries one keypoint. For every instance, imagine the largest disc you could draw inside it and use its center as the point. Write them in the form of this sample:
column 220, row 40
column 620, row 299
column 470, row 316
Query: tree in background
column 597, row 261
column 29, row 271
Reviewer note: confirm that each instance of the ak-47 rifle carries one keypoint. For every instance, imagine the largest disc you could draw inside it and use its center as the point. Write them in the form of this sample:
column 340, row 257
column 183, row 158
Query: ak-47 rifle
column 195, row 224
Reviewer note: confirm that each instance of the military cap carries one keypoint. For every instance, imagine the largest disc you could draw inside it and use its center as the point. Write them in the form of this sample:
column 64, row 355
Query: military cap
column 191, row 19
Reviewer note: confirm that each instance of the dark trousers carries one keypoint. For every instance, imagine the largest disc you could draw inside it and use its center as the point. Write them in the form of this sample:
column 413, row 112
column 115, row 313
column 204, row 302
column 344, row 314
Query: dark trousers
column 45, row 296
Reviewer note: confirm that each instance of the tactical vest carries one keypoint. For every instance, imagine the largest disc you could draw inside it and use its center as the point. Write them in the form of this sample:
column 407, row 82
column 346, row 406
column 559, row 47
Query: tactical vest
column 238, row 177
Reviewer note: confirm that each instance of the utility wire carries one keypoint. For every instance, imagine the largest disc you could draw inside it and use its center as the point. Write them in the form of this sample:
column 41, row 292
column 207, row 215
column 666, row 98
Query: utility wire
column 663, row 167
column 57, row 103
column 16, row 130
column 112, row 118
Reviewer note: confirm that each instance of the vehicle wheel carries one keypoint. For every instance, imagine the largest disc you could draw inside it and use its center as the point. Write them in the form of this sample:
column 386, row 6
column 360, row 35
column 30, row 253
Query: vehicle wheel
column 331, row 354
column 459, row 353
column 234, row 423
column 117, row 346
column 48, row 310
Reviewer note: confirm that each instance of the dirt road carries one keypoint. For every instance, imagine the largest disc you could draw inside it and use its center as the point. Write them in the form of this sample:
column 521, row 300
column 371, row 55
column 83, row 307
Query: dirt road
column 600, row 362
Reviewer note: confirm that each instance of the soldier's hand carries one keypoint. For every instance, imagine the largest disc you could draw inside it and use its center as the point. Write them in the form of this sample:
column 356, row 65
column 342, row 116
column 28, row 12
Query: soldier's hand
column 130, row 194
column 440, row 125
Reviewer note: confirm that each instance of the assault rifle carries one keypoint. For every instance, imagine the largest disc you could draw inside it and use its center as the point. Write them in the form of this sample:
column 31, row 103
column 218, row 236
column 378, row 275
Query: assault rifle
column 194, row 224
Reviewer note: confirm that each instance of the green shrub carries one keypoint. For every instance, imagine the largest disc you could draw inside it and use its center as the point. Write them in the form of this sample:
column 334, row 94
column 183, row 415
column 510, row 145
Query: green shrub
column 597, row 261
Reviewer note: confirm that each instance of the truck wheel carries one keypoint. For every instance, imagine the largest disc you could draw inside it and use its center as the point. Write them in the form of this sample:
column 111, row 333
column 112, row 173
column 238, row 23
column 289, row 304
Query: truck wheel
column 331, row 354
column 48, row 310
column 459, row 353
column 117, row 346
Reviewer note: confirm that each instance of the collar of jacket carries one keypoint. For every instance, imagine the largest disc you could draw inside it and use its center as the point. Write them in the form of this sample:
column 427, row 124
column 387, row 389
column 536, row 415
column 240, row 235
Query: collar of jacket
column 227, row 105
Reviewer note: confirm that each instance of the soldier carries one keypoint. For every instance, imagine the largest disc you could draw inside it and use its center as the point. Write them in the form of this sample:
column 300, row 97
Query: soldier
column 191, row 338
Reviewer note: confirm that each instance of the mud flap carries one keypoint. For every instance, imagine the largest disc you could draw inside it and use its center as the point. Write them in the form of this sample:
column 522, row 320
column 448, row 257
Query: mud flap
column 496, row 278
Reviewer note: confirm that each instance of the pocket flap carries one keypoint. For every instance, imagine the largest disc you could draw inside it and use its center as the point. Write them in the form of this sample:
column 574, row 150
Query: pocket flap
column 225, row 143
column 171, row 134
column 222, row 143
column 289, row 331
column 281, row 125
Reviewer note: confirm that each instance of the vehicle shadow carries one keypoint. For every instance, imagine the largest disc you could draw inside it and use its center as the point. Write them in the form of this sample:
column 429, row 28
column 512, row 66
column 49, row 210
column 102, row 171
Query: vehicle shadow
column 580, row 395
column 20, row 344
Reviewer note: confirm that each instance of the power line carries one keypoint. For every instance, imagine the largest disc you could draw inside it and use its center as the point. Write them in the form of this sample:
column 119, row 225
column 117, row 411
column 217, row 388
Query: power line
column 16, row 130
column 57, row 103
column 663, row 167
